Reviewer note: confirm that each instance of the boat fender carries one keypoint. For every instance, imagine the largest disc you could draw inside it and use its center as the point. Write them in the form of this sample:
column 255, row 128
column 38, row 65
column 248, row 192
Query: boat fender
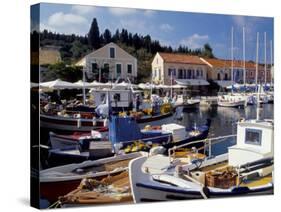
column 105, row 122
column 156, row 150
column 94, row 120
column 78, row 121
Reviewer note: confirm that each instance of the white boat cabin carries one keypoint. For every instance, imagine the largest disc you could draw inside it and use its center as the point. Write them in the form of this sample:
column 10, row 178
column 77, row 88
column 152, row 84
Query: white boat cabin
column 118, row 98
column 254, row 142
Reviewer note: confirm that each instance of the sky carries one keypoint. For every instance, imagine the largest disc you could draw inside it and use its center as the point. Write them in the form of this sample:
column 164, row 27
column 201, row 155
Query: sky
column 169, row 27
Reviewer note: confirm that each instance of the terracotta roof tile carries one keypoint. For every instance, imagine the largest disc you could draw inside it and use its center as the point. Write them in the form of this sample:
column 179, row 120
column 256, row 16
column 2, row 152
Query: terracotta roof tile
column 181, row 58
column 220, row 63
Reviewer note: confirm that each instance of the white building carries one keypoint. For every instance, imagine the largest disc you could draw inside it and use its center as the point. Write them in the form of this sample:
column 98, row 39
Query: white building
column 110, row 62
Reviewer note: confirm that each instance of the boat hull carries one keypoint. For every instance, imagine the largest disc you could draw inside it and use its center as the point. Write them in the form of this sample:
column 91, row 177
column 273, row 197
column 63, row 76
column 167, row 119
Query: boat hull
column 69, row 125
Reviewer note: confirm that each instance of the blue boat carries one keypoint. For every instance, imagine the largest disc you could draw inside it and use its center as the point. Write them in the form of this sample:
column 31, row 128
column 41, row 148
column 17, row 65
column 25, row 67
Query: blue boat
column 124, row 131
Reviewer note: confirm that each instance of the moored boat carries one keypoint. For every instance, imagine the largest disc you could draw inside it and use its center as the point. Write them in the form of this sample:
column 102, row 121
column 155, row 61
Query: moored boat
column 60, row 180
column 246, row 169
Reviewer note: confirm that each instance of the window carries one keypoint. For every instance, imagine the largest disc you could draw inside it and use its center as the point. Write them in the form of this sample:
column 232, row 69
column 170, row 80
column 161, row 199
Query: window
column 185, row 74
column 189, row 74
column 94, row 67
column 225, row 76
column 129, row 68
column 106, row 67
column 95, row 71
column 253, row 136
column 112, row 52
column 117, row 97
column 171, row 71
column 118, row 69
column 180, row 74
column 197, row 73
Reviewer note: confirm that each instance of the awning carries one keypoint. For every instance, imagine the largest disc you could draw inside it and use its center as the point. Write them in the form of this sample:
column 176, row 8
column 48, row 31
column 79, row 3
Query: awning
column 224, row 83
column 193, row 82
column 57, row 85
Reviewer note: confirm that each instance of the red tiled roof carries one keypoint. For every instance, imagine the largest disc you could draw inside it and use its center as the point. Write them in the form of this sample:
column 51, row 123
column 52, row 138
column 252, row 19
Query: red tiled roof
column 220, row 63
column 181, row 58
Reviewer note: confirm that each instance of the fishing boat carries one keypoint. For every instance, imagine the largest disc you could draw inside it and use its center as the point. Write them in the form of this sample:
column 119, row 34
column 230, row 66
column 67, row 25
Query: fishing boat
column 109, row 190
column 125, row 134
column 231, row 101
column 60, row 180
column 186, row 103
column 77, row 123
column 246, row 169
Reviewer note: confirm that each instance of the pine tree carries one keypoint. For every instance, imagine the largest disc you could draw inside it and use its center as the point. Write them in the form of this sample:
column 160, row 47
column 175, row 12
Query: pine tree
column 107, row 36
column 94, row 35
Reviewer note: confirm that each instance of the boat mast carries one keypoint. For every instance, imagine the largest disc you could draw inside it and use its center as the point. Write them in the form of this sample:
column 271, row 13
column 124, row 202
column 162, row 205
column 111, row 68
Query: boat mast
column 257, row 58
column 271, row 62
column 84, row 93
column 265, row 68
column 232, row 31
column 244, row 63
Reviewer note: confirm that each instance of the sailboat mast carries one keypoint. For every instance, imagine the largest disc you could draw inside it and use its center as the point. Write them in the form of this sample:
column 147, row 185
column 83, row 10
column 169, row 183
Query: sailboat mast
column 257, row 58
column 232, row 31
column 83, row 89
column 244, row 58
column 271, row 62
column 265, row 68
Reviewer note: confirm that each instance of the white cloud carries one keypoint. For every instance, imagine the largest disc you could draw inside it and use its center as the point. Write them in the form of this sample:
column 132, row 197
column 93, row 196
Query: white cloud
column 61, row 19
column 166, row 27
column 195, row 41
column 122, row 11
column 149, row 13
column 83, row 10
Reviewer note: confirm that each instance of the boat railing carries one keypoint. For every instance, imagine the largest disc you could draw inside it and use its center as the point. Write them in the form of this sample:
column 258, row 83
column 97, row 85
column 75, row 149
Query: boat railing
column 208, row 143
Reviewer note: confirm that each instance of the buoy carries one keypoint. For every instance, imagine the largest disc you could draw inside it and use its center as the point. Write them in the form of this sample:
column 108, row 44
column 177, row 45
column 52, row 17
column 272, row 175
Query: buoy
column 94, row 121
column 78, row 121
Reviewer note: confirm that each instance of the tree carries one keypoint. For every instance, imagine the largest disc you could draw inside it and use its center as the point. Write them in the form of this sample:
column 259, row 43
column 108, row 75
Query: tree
column 107, row 36
column 94, row 35
column 207, row 51
column 78, row 49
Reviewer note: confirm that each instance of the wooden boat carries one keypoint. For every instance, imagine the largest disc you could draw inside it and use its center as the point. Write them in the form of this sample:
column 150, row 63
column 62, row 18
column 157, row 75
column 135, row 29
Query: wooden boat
column 72, row 124
column 92, row 150
column 58, row 181
column 245, row 170
column 88, row 148
column 59, row 141
column 109, row 190
column 125, row 135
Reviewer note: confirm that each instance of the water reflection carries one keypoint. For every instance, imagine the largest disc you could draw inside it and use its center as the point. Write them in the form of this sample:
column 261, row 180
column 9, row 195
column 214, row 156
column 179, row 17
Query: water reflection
column 224, row 121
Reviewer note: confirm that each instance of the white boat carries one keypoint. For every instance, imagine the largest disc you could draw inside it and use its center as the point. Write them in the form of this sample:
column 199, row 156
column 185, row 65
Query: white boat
column 230, row 100
column 246, row 169
column 186, row 103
